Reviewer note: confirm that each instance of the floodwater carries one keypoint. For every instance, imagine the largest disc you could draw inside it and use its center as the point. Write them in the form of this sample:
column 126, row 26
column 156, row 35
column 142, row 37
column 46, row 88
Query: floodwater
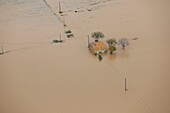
column 37, row 76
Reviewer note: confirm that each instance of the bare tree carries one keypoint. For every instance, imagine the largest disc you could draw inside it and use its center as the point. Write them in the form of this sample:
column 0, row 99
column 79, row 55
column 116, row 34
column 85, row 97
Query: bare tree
column 123, row 42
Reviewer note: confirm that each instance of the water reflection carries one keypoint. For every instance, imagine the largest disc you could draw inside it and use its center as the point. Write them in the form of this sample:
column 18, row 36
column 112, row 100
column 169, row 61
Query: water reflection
column 123, row 54
column 112, row 57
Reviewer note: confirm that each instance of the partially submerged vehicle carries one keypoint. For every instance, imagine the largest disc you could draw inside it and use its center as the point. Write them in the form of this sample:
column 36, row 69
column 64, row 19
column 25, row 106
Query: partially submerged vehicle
column 58, row 41
column 70, row 35
column 98, row 47
column 2, row 53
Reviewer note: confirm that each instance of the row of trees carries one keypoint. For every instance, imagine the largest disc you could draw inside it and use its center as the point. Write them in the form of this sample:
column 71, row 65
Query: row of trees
column 111, row 42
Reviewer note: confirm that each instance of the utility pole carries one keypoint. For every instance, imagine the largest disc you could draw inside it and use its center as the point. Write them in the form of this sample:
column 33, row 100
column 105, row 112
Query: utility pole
column 126, row 85
column 60, row 37
column 60, row 8
column 64, row 22
column 2, row 50
column 88, row 40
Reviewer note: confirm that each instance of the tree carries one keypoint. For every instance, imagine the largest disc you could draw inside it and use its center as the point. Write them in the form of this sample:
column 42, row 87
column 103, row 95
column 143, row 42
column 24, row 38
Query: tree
column 97, row 35
column 112, row 48
column 123, row 42
column 112, row 42
column 100, row 57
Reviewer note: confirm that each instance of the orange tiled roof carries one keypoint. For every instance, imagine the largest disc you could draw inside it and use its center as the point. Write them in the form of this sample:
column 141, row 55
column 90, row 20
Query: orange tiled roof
column 99, row 46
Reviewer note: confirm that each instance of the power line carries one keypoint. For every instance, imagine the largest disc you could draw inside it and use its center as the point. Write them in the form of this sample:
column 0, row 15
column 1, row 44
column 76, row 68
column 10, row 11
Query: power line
column 133, row 89
column 53, row 11
column 22, row 43
column 24, row 48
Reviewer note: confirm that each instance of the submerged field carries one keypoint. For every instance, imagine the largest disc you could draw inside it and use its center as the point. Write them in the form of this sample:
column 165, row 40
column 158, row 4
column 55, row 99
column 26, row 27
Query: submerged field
column 37, row 76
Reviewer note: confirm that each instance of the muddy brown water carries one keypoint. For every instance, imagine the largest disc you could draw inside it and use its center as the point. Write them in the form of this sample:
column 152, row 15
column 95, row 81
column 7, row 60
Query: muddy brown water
column 39, row 77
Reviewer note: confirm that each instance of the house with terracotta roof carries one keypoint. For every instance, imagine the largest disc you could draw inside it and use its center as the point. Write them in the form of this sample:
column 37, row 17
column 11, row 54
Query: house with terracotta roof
column 98, row 47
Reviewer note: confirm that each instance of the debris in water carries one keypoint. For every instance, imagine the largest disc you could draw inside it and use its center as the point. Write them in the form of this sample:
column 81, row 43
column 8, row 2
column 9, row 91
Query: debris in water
column 58, row 41
column 2, row 53
column 70, row 35
column 68, row 31
column 135, row 38
column 89, row 10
